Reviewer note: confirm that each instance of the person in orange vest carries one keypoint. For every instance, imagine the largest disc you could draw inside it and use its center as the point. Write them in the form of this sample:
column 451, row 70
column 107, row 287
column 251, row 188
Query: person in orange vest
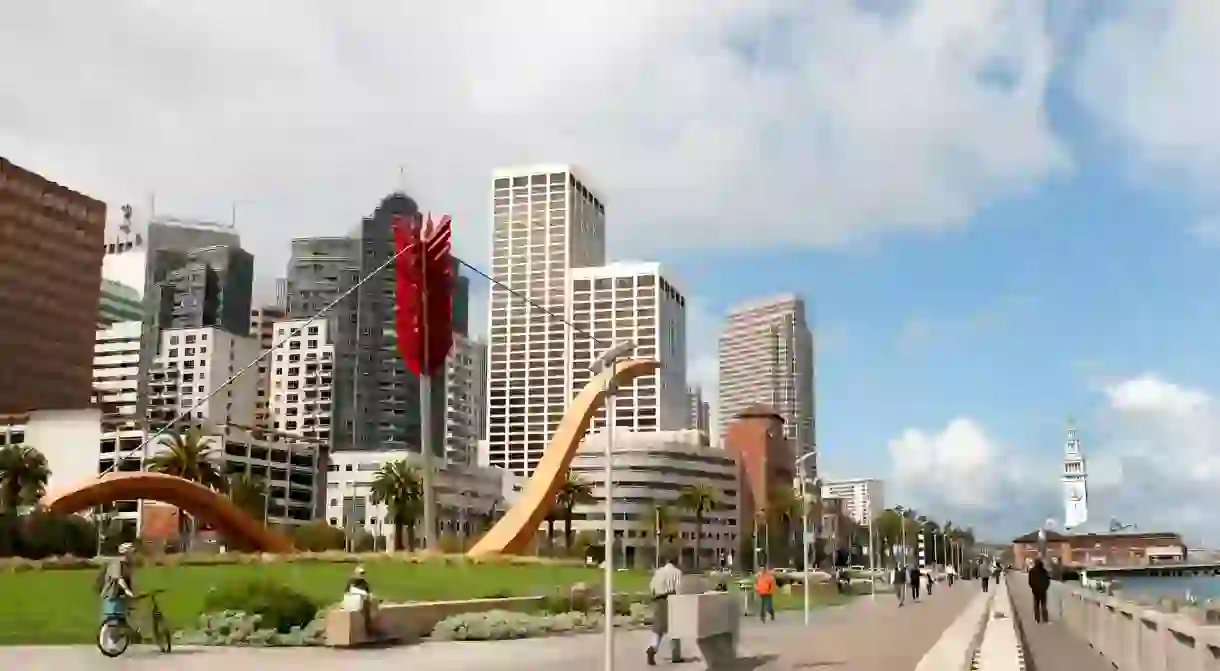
column 764, row 586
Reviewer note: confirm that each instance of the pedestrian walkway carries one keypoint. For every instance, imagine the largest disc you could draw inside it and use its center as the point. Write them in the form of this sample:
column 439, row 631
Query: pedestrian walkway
column 1050, row 646
column 865, row 635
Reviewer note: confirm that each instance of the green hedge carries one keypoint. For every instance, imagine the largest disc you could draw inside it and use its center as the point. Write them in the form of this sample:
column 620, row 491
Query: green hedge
column 280, row 607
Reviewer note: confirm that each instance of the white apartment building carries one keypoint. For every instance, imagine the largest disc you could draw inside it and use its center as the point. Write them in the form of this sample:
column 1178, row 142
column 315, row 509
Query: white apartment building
column 469, row 498
column 301, row 385
column 465, row 408
column 193, row 362
column 651, row 468
column 116, row 369
column 262, row 329
column 632, row 302
column 546, row 221
column 863, row 498
column 766, row 358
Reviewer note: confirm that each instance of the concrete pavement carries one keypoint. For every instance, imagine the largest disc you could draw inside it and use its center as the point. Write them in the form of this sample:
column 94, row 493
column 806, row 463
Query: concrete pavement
column 861, row 636
column 1049, row 646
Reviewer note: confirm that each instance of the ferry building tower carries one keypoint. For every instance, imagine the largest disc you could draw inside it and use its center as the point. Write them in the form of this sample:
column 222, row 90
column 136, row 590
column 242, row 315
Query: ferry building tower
column 1075, row 482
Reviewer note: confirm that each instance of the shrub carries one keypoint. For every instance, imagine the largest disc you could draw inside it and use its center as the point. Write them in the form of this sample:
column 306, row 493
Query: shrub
column 280, row 607
column 238, row 628
column 498, row 625
column 318, row 536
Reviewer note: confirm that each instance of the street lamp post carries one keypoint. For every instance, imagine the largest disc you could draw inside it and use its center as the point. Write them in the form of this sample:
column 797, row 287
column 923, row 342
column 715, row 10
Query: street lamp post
column 804, row 529
column 606, row 362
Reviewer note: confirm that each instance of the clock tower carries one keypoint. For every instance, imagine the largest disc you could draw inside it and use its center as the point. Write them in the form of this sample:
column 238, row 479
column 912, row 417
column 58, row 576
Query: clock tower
column 1075, row 482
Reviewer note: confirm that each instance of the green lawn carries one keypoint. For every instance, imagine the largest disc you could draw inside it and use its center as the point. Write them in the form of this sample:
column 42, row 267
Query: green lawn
column 60, row 606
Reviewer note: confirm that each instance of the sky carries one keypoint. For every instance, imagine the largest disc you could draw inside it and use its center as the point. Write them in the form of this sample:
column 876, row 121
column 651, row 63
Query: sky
column 1002, row 213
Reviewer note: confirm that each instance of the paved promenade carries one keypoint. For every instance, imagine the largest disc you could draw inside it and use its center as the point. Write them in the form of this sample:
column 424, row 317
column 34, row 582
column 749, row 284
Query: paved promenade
column 1050, row 646
column 862, row 636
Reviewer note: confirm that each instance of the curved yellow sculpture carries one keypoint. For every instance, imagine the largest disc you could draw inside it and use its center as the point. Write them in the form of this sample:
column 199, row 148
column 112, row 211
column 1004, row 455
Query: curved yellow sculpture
column 512, row 534
column 192, row 497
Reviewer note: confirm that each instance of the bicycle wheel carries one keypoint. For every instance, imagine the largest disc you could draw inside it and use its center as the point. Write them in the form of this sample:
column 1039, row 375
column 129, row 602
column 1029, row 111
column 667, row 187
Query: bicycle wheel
column 161, row 632
column 113, row 638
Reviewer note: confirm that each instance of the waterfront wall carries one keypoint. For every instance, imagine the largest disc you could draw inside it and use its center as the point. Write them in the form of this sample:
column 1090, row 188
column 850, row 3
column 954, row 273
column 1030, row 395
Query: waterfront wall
column 1136, row 637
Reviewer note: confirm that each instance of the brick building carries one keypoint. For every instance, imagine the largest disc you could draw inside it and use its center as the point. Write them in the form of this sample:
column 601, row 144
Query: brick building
column 755, row 438
column 50, row 284
column 1107, row 548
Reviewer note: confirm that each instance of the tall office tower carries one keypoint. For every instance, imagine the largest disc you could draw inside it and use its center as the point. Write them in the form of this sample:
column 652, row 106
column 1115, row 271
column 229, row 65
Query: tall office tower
column 319, row 272
column 465, row 409
column 700, row 411
column 50, row 262
column 863, row 498
column 146, row 259
column 632, row 302
column 209, row 286
column 262, row 329
column 387, row 395
column 119, row 303
column 766, row 357
column 545, row 222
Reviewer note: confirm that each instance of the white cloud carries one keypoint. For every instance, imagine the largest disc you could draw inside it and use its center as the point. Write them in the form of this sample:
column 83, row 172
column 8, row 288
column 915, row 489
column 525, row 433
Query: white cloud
column 707, row 123
column 1146, row 74
column 1207, row 231
column 958, row 472
column 1150, row 396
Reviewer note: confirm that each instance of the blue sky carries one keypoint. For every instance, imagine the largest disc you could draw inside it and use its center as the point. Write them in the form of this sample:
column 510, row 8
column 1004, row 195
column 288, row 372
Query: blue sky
column 1001, row 212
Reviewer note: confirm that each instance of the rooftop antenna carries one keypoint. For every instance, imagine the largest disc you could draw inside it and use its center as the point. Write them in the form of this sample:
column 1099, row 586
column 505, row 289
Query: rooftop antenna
column 152, row 205
column 402, row 178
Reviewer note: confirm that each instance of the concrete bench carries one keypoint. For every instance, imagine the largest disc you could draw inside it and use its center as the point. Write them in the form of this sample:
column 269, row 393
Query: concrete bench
column 711, row 620
column 409, row 622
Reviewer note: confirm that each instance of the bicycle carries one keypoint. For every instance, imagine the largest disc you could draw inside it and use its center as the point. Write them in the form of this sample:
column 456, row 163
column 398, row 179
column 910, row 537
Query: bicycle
column 116, row 632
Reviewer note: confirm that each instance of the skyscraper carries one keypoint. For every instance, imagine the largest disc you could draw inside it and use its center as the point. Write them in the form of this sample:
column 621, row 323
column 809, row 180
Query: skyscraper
column 700, row 412
column 766, row 358
column 632, row 302
column 546, row 221
column 50, row 239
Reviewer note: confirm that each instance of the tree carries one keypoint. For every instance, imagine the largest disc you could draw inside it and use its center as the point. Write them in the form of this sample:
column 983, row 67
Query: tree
column 24, row 474
column 699, row 499
column 189, row 456
column 249, row 493
column 318, row 536
column 783, row 506
column 399, row 486
column 572, row 492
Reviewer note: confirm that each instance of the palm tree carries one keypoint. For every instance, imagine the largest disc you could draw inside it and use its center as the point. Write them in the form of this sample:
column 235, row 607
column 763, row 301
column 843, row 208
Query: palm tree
column 23, row 476
column 572, row 492
column 400, row 487
column 249, row 493
column 699, row 499
column 188, row 456
column 784, row 507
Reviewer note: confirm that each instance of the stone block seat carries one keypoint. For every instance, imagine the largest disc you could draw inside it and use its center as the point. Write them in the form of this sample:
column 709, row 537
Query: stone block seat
column 709, row 619
column 409, row 622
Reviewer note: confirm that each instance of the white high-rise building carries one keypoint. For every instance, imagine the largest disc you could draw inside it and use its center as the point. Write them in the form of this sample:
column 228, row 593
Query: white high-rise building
column 465, row 409
column 863, row 498
column 262, row 329
column 632, row 302
column 302, row 380
column 766, row 358
column 1075, row 482
column 116, row 369
column 193, row 362
column 546, row 220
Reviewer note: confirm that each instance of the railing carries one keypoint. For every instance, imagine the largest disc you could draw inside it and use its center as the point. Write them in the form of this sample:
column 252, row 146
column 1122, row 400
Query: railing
column 1136, row 637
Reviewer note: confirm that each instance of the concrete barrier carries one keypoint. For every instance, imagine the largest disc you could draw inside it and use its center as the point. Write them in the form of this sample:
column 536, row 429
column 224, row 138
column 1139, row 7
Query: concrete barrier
column 1000, row 648
column 954, row 650
column 711, row 621
column 409, row 622
column 1134, row 637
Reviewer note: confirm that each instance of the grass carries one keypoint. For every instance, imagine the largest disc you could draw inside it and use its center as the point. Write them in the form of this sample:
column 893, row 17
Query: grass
column 62, row 607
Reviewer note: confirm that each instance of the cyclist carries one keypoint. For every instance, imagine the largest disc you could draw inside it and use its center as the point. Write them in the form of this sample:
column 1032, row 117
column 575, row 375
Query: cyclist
column 116, row 582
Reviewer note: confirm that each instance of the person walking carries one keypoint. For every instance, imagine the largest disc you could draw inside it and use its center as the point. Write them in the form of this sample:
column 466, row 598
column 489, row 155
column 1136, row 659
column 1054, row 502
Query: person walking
column 950, row 574
column 764, row 587
column 913, row 577
column 900, row 585
column 664, row 584
column 1039, row 584
column 931, row 578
